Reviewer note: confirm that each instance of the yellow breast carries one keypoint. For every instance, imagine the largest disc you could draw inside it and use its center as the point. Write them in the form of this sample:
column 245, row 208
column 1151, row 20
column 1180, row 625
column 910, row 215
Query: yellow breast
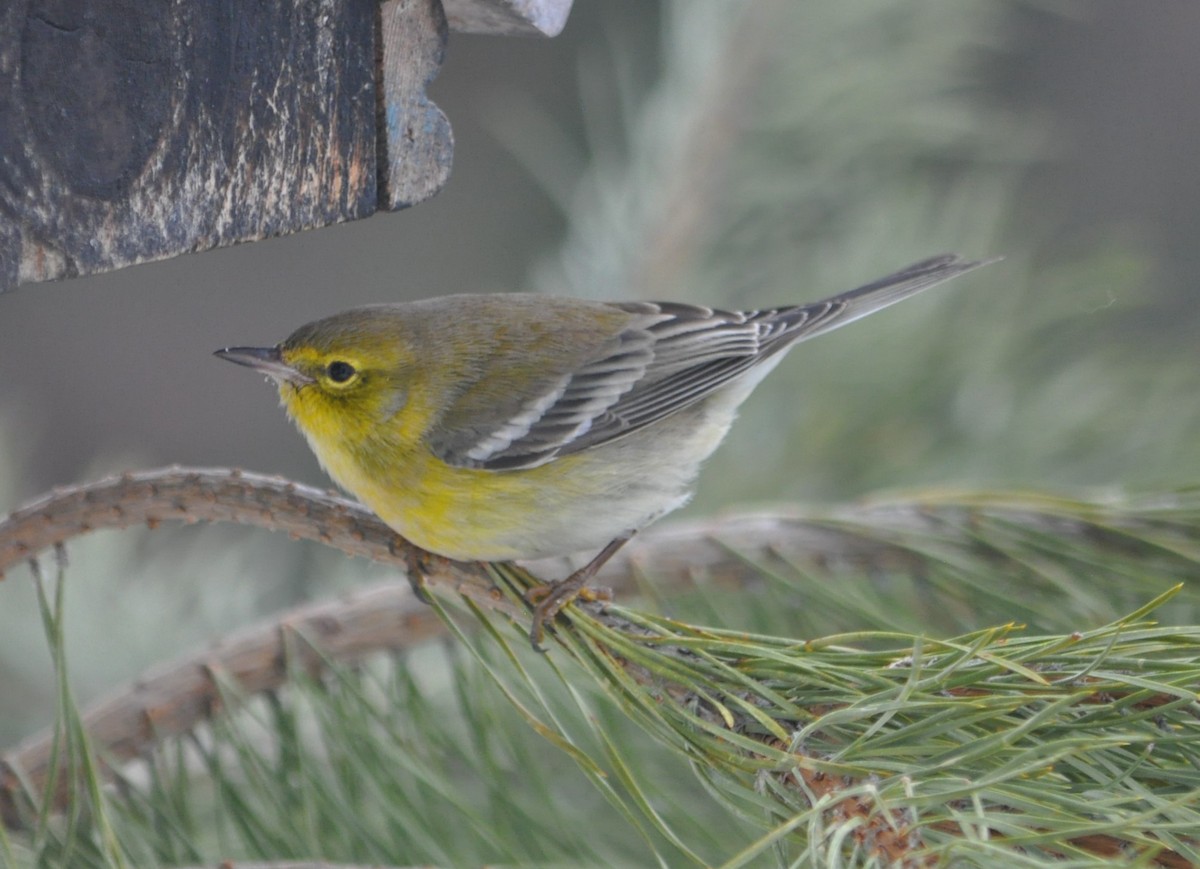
column 462, row 513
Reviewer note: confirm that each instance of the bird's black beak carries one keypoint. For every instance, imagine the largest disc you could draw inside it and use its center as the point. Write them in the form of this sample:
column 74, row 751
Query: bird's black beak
column 267, row 360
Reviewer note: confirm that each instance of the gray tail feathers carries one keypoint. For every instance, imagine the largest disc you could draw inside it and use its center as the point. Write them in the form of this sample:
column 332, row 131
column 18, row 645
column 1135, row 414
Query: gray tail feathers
column 904, row 283
column 844, row 308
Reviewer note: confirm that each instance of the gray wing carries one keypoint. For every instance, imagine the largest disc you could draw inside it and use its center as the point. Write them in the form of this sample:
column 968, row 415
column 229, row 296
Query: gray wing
column 668, row 357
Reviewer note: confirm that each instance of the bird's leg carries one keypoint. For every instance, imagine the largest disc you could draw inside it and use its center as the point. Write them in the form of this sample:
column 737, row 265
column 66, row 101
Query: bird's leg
column 416, row 566
column 552, row 598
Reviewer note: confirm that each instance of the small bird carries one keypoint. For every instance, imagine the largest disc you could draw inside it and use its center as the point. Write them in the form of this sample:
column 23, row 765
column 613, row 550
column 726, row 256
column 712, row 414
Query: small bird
column 520, row 426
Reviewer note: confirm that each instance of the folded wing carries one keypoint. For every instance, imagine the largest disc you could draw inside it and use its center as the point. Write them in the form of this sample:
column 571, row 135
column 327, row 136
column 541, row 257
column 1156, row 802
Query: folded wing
column 668, row 357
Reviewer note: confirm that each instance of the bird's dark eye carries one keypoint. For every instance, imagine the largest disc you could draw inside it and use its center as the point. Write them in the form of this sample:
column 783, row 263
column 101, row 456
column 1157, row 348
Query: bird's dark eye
column 339, row 371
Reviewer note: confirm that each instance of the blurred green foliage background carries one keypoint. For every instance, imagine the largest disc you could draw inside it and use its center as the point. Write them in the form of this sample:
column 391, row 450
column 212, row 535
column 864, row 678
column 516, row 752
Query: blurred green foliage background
column 739, row 154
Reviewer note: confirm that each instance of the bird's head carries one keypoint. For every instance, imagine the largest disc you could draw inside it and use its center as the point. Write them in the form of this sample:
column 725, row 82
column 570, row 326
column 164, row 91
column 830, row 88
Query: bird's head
column 343, row 378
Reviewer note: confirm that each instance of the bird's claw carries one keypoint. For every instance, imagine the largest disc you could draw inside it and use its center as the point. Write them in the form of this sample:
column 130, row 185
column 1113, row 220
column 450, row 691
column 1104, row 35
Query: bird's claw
column 550, row 599
column 416, row 567
column 416, row 581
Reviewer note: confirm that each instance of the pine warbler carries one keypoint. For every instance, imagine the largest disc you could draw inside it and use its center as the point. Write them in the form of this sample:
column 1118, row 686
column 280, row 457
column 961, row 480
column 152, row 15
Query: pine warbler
column 498, row 427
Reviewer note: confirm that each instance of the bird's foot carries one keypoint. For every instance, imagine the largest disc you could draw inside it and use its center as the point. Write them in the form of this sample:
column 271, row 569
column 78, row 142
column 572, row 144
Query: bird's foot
column 549, row 600
column 418, row 564
column 555, row 596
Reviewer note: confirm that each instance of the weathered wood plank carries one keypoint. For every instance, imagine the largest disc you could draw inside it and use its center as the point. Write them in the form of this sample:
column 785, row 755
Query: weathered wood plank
column 416, row 142
column 132, row 130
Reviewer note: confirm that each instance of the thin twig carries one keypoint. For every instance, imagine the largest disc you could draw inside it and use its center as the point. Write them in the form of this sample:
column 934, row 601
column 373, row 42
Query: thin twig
column 195, row 495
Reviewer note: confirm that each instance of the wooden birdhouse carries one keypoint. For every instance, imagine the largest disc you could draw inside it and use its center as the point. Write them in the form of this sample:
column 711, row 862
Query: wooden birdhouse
column 135, row 130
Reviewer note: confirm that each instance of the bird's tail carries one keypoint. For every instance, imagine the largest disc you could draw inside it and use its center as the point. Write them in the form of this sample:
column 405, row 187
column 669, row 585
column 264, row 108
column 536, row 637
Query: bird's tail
column 808, row 321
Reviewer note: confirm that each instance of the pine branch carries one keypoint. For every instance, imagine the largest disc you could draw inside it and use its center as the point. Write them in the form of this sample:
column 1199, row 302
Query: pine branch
column 917, row 757
column 728, row 695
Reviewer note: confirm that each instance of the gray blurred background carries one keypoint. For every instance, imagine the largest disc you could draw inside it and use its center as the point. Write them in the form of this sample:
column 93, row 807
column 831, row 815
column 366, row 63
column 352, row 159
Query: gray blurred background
column 741, row 154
